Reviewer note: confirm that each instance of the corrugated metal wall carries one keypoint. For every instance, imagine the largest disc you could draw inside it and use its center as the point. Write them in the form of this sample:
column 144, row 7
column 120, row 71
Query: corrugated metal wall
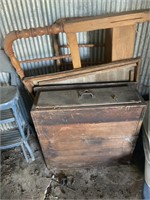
column 22, row 14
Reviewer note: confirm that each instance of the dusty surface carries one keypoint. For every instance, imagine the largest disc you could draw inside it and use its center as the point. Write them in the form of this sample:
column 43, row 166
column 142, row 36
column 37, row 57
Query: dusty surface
column 20, row 180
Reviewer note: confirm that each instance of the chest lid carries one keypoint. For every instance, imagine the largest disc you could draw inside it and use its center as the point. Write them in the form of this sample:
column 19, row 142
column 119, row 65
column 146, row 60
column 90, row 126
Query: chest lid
column 87, row 97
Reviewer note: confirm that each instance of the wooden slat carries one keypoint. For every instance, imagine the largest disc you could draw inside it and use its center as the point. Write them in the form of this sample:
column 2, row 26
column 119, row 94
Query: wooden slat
column 120, row 43
column 113, row 130
column 76, row 140
column 106, row 21
column 71, row 148
column 46, row 58
column 90, row 161
column 123, row 42
column 85, row 155
column 84, row 45
column 83, row 71
column 74, row 49
column 87, row 115
column 79, row 159
column 114, row 74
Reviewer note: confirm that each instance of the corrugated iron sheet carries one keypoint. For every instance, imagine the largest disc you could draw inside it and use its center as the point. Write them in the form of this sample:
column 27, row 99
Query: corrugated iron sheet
column 7, row 126
column 4, row 78
column 24, row 14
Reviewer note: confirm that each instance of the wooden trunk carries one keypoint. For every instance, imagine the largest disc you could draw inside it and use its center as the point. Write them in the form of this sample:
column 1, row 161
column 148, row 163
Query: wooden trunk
column 87, row 127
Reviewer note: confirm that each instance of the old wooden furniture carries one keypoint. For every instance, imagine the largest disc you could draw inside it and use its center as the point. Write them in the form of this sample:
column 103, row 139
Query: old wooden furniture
column 117, row 71
column 119, row 39
column 120, row 33
column 87, row 126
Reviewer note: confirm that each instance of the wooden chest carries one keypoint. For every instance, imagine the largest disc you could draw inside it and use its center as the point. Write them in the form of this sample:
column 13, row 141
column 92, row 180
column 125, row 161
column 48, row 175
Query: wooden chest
column 88, row 126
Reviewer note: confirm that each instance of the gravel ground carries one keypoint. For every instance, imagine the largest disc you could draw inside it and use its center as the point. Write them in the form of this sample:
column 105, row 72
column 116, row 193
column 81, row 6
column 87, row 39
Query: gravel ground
column 21, row 180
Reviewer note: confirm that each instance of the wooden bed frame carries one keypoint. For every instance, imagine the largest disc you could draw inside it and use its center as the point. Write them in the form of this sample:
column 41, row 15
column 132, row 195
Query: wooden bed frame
column 120, row 36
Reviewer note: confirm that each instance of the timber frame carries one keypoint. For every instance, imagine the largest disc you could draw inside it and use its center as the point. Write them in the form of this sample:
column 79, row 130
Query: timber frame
column 118, row 45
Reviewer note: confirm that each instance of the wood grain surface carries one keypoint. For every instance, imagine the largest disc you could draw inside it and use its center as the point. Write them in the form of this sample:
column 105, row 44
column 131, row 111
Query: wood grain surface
column 85, row 137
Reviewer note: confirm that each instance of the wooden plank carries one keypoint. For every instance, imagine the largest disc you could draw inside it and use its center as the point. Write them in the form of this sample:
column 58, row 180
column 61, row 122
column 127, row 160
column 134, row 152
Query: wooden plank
column 83, row 71
column 73, row 148
column 76, row 140
column 74, row 49
column 120, row 43
column 102, row 158
column 111, row 130
column 86, row 139
column 80, row 154
column 121, row 73
column 46, row 58
column 123, row 42
column 82, row 157
column 117, row 74
column 87, row 115
column 106, row 21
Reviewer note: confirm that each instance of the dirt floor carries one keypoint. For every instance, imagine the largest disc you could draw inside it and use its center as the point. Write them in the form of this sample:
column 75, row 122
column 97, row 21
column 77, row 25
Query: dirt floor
column 21, row 180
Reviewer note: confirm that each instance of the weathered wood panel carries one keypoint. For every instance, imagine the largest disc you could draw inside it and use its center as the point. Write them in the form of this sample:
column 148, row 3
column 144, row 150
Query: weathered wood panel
column 95, row 115
column 77, row 132
column 120, row 43
column 106, row 21
column 114, row 74
column 111, row 157
column 86, row 139
column 114, row 71
column 71, row 27
column 74, row 49
column 85, row 144
column 104, row 131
